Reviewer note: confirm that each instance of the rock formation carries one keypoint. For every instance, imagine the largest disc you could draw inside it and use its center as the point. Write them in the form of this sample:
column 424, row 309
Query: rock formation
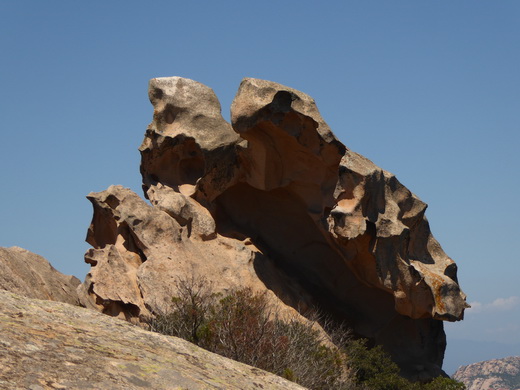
column 272, row 201
column 498, row 374
column 51, row 345
column 28, row 274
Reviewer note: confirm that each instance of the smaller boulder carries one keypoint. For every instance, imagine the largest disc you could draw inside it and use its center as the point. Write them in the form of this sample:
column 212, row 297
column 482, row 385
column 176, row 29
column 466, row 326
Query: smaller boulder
column 28, row 274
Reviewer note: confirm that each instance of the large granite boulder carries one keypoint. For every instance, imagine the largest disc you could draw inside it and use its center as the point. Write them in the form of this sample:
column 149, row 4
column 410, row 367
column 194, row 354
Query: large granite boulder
column 273, row 201
column 26, row 273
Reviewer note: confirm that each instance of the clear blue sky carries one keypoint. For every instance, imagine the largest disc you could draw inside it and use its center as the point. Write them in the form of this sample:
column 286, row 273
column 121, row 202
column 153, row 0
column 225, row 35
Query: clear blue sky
column 429, row 90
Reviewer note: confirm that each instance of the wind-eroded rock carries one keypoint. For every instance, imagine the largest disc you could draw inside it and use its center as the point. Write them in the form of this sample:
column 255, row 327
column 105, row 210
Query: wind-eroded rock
column 273, row 201
column 51, row 345
column 29, row 274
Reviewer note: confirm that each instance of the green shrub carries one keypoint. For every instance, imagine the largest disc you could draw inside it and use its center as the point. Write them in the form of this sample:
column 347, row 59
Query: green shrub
column 369, row 363
column 441, row 383
column 374, row 369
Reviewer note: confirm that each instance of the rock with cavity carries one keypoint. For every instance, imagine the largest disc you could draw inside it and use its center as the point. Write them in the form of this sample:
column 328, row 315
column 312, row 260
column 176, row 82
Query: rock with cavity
column 28, row 274
column 275, row 202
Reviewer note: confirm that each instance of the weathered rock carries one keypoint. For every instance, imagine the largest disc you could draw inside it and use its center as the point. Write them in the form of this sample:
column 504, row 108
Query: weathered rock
column 29, row 274
column 501, row 374
column 410, row 263
column 272, row 202
column 140, row 252
column 188, row 142
column 51, row 345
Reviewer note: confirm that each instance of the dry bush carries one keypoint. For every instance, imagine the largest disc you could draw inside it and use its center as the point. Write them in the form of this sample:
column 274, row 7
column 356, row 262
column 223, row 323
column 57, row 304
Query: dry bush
column 243, row 326
column 189, row 312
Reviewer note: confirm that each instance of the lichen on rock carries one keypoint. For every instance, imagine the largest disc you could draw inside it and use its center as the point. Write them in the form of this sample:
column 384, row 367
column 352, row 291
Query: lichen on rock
column 53, row 345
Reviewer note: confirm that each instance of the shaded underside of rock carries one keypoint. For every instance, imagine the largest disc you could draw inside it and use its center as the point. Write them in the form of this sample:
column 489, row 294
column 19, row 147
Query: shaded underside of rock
column 272, row 201
column 52, row 345
column 30, row 275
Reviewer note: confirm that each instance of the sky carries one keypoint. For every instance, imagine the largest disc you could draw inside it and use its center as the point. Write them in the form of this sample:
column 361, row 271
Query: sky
column 429, row 90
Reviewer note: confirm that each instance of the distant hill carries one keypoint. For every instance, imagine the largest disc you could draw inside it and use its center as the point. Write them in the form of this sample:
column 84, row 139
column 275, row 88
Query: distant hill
column 465, row 352
column 498, row 374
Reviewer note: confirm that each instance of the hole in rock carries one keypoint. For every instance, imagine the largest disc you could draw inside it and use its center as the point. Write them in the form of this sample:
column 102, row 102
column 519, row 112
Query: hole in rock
column 157, row 93
column 112, row 201
column 282, row 101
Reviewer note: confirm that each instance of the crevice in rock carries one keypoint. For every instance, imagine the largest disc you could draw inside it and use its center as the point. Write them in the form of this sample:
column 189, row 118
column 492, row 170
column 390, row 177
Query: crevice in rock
column 130, row 241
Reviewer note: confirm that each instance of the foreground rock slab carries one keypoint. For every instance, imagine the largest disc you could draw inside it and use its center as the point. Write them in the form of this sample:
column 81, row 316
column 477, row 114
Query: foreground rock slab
column 30, row 275
column 52, row 345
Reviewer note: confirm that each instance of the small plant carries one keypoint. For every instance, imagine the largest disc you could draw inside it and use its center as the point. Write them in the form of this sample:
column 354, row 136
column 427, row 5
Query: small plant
column 190, row 311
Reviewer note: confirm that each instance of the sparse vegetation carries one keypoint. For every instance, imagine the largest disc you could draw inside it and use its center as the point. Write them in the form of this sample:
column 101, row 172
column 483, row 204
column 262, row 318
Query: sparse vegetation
column 243, row 326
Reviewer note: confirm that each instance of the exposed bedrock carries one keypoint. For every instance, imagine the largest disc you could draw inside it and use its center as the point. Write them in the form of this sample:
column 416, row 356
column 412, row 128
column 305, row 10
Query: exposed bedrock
column 275, row 202
column 28, row 274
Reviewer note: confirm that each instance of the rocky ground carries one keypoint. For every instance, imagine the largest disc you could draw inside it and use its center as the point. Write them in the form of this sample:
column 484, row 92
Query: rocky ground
column 54, row 345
